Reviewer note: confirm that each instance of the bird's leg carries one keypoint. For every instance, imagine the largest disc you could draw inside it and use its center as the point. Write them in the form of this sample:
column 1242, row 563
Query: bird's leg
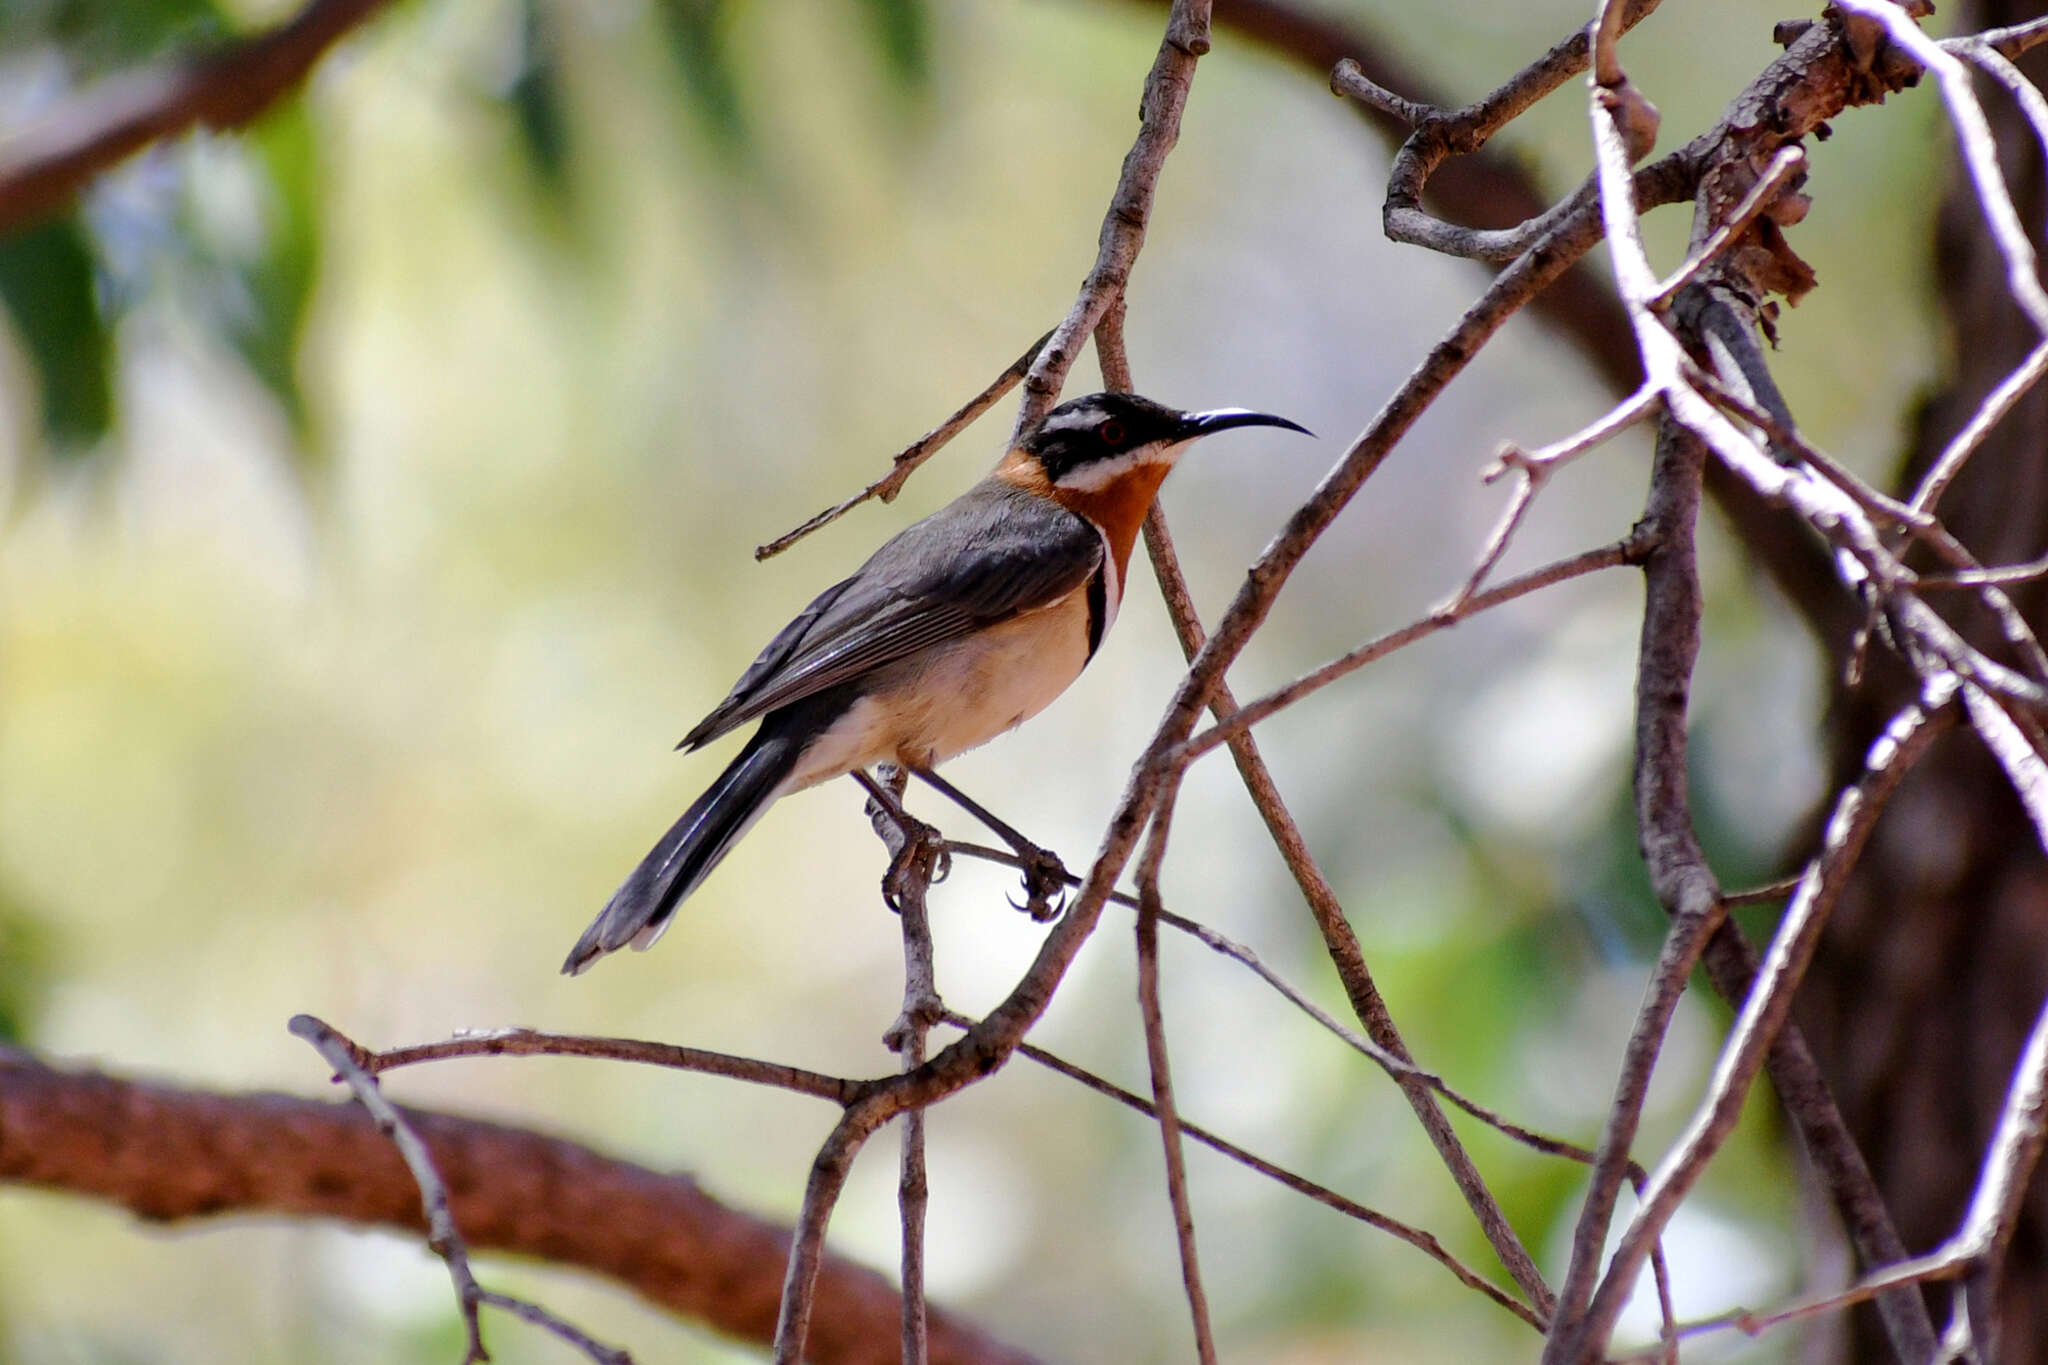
column 918, row 853
column 1045, row 876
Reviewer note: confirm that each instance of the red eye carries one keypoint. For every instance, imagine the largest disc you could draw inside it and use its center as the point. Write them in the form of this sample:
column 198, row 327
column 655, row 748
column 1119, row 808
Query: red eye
column 1111, row 432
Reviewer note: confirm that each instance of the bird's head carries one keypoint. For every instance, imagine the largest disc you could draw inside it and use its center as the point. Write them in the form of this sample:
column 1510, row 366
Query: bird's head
column 1090, row 444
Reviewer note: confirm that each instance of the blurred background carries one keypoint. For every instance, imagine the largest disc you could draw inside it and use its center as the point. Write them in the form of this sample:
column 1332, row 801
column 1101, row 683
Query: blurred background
column 379, row 493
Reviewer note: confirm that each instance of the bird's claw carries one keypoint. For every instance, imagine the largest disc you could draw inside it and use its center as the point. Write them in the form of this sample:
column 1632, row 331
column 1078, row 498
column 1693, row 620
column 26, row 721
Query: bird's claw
column 921, row 860
column 1045, row 885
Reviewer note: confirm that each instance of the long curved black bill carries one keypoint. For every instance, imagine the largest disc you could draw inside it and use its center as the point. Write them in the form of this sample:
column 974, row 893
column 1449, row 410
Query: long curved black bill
column 1193, row 424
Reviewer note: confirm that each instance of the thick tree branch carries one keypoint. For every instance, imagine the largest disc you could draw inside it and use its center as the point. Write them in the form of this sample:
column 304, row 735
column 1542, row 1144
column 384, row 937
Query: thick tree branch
column 169, row 1154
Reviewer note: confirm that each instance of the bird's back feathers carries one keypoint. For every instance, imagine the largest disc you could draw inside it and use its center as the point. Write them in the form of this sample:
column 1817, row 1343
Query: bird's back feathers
column 992, row 553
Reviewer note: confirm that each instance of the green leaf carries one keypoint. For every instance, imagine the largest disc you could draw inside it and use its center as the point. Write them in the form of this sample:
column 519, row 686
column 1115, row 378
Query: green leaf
column 99, row 35
column 537, row 106
column 24, row 967
column 901, row 31
column 47, row 284
column 699, row 39
column 280, row 279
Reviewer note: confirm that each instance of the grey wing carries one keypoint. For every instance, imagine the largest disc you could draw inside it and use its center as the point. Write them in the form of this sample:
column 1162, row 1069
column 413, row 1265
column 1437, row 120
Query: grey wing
column 990, row 554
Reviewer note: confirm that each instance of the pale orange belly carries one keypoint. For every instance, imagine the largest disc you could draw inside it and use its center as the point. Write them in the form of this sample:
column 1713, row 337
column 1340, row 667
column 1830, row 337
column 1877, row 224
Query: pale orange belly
column 955, row 696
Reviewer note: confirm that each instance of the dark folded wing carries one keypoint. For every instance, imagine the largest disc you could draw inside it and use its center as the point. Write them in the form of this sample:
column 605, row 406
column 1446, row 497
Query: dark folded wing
column 992, row 553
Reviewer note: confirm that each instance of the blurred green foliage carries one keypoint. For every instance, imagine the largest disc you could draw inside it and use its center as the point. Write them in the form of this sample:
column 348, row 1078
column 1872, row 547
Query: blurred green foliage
column 47, row 282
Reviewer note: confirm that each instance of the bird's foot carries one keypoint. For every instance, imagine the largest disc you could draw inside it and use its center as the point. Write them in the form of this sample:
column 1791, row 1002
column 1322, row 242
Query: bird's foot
column 919, row 861
column 1045, row 883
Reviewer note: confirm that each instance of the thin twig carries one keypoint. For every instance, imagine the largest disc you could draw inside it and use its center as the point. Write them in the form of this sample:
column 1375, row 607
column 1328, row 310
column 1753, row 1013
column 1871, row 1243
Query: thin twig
column 444, row 1239
column 1787, row 438
column 1677, row 866
column 1980, row 153
column 989, row 1043
column 1536, row 467
column 561, row 1327
column 1416, row 1237
column 1162, row 1085
column 1902, row 1275
column 1964, row 443
column 1621, row 552
column 911, row 456
column 807, row 1239
column 1130, row 207
column 1978, row 578
column 921, row 1009
column 1339, row 940
column 526, row 1042
column 1770, row 999
column 1398, row 1068
column 1761, row 895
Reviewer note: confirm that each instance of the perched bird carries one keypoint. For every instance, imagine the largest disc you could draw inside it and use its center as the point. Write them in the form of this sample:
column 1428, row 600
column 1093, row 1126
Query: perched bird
column 962, row 626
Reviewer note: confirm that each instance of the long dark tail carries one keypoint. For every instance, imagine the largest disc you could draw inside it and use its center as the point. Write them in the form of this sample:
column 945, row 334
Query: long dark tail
column 640, row 909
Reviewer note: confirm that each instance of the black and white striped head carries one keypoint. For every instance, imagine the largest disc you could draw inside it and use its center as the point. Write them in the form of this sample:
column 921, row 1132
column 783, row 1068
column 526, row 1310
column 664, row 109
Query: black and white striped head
column 1089, row 443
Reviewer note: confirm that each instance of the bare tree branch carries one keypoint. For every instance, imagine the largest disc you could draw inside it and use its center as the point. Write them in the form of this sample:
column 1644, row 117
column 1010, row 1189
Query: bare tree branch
column 1416, row 1237
column 1161, row 1071
column 444, row 1239
column 913, row 455
column 1671, row 852
column 1765, row 1009
column 526, row 1042
column 921, row 1009
column 44, row 167
column 170, row 1155
column 1130, row 207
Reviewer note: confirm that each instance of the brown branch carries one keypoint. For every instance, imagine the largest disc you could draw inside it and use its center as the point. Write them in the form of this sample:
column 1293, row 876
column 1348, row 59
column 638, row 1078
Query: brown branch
column 1395, row 1066
column 526, row 1042
column 1130, row 206
column 43, row 168
column 1618, row 116
column 1628, row 551
column 1671, row 852
column 1483, row 188
column 807, row 1241
column 1160, row 1069
column 170, row 1154
column 1339, row 940
column 1768, row 1003
column 921, row 1009
column 989, row 1043
column 1416, row 1237
column 913, row 455
column 444, row 1238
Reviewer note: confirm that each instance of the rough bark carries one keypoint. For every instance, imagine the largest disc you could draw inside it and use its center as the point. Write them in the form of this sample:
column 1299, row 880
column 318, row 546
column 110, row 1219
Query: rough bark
column 169, row 1154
